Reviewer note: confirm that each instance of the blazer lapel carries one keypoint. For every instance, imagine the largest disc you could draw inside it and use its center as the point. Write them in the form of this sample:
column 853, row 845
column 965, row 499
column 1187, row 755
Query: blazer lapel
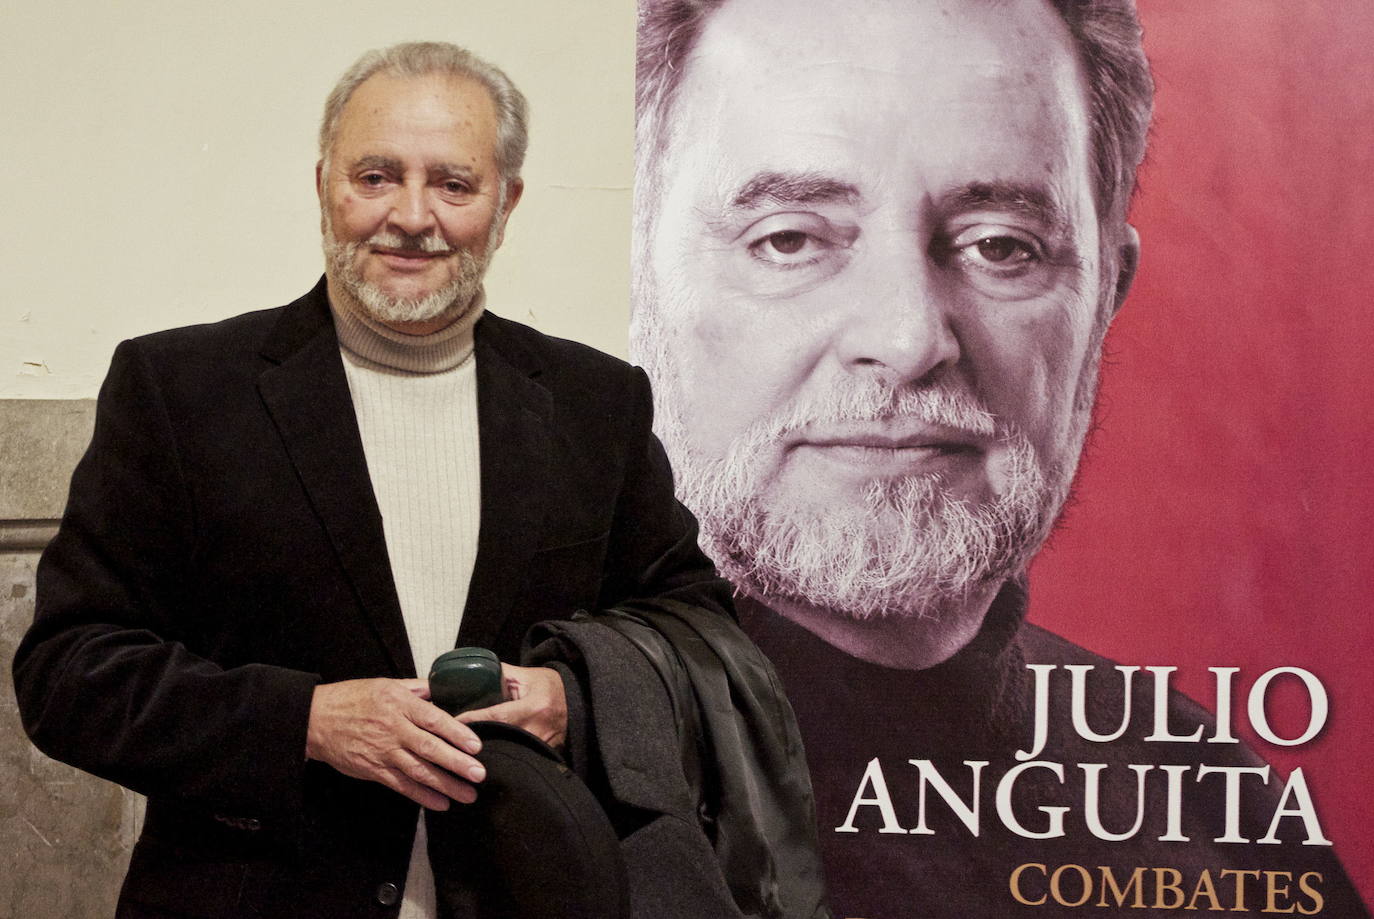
column 306, row 393
column 513, row 416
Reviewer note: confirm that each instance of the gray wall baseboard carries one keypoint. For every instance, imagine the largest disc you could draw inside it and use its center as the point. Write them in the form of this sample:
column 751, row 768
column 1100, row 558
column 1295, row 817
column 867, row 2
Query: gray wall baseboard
column 40, row 442
column 65, row 836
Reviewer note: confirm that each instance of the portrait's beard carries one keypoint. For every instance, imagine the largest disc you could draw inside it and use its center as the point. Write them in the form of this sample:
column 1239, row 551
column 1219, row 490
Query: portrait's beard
column 905, row 547
column 448, row 302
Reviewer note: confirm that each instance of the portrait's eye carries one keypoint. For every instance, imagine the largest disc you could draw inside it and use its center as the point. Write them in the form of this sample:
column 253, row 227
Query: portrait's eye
column 1000, row 261
column 372, row 179
column 779, row 255
column 786, row 246
column 455, row 187
column 793, row 240
column 1002, row 250
column 996, row 251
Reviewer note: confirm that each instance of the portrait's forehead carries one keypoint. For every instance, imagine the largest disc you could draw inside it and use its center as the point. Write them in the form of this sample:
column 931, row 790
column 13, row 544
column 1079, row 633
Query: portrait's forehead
column 871, row 93
column 888, row 29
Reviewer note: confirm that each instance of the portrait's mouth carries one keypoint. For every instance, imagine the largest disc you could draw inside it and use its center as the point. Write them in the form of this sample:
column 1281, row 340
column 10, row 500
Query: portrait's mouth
column 890, row 450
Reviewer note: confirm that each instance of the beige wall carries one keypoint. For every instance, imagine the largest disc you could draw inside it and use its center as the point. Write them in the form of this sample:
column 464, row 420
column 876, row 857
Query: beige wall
column 159, row 163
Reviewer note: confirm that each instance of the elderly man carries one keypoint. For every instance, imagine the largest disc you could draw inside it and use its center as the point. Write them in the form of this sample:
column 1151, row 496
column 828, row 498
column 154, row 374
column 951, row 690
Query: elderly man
column 284, row 516
column 878, row 247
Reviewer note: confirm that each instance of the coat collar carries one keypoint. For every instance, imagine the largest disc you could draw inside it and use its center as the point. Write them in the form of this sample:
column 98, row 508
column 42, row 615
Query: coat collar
column 514, row 410
column 306, row 392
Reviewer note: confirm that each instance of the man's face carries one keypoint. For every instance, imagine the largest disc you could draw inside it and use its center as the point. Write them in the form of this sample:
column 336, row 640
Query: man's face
column 411, row 197
column 871, row 296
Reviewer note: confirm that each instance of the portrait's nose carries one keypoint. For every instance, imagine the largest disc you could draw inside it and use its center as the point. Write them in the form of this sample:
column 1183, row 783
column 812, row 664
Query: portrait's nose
column 899, row 324
column 411, row 211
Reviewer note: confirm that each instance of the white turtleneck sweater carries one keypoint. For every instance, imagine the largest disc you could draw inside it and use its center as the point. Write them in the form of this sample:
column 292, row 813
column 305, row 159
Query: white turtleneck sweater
column 416, row 401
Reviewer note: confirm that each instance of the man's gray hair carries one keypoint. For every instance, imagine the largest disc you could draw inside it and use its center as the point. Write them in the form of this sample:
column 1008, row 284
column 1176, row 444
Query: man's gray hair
column 1105, row 32
column 417, row 59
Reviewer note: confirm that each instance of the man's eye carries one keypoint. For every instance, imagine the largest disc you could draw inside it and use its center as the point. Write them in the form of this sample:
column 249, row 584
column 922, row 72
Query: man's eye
column 454, row 187
column 373, row 179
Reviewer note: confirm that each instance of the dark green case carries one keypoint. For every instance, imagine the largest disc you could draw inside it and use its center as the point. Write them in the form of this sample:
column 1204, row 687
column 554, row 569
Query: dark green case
column 465, row 678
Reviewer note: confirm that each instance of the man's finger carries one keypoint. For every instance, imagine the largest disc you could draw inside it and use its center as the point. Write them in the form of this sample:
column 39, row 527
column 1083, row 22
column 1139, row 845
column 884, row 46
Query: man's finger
column 422, row 795
column 525, row 714
column 514, row 712
column 433, row 749
column 436, row 721
column 430, row 776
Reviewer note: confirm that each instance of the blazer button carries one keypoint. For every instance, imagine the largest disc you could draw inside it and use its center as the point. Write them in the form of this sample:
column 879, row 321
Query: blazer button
column 388, row 894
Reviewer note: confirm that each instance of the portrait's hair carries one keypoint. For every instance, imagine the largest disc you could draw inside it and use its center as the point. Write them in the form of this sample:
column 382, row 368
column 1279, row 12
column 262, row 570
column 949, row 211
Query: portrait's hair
column 1106, row 34
column 417, row 59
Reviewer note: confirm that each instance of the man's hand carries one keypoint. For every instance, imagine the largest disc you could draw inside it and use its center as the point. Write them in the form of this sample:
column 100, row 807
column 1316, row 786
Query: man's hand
column 385, row 731
column 535, row 702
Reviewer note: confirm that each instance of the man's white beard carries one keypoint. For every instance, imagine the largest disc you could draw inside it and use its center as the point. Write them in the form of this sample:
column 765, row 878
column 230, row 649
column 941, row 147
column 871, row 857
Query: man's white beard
column 450, row 301
column 908, row 548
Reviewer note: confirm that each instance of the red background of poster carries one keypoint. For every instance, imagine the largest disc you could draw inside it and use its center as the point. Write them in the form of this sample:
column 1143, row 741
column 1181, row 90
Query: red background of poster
column 1224, row 513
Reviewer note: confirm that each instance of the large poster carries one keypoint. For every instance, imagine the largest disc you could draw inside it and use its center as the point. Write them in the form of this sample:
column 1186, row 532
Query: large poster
column 877, row 244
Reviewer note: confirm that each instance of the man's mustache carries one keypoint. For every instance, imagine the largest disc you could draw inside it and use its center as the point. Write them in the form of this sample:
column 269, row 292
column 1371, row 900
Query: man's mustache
column 427, row 243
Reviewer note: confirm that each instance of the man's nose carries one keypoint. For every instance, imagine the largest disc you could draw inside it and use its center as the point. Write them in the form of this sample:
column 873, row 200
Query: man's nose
column 900, row 326
column 411, row 211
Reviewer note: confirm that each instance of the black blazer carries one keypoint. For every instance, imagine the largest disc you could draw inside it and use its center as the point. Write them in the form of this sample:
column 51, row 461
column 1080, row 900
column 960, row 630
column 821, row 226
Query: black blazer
column 222, row 552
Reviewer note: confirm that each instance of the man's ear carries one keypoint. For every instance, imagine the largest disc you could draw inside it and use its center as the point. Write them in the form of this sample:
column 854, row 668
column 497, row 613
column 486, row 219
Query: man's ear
column 1127, row 261
column 319, row 189
column 514, row 189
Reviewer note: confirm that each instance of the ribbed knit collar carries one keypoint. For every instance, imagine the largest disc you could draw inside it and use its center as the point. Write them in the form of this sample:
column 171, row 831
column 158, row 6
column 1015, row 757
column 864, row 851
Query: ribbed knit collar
column 367, row 339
